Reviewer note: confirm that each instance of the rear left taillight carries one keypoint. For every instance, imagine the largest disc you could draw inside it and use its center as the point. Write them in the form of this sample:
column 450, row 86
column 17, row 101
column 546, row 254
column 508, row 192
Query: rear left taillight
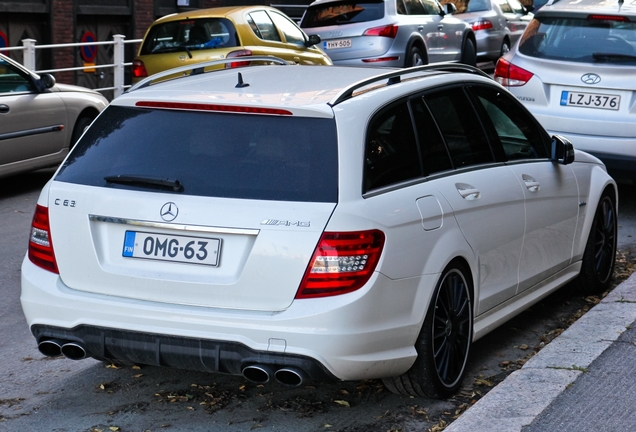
column 507, row 74
column 482, row 24
column 40, row 244
column 239, row 53
column 389, row 31
column 139, row 69
column 342, row 262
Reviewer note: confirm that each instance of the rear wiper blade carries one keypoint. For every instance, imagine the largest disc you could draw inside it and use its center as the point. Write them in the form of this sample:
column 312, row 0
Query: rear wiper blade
column 146, row 181
column 612, row 56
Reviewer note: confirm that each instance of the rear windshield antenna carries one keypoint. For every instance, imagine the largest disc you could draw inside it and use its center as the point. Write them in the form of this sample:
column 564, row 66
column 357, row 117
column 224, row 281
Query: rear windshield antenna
column 241, row 84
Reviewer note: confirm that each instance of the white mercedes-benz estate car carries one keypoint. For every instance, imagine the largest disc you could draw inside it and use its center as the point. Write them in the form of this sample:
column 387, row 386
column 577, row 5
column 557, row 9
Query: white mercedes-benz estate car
column 297, row 223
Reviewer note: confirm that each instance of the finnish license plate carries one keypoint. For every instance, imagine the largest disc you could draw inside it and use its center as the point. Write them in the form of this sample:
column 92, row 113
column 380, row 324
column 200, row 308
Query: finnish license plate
column 335, row 44
column 185, row 249
column 590, row 100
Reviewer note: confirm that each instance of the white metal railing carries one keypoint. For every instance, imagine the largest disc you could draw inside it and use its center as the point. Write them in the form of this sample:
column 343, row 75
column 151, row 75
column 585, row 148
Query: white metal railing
column 29, row 46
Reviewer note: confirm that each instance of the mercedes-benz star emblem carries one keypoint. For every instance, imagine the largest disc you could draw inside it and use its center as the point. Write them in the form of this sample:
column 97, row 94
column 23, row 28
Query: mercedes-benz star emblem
column 169, row 211
column 591, row 78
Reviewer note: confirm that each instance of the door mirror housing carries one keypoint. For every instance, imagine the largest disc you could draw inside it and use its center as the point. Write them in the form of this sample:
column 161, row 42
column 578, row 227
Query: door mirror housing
column 449, row 8
column 46, row 81
column 312, row 40
column 562, row 150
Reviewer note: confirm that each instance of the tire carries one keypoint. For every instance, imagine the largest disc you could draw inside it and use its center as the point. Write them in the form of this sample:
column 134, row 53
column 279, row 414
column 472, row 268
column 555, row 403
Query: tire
column 80, row 126
column 469, row 53
column 597, row 265
column 415, row 57
column 444, row 342
column 505, row 47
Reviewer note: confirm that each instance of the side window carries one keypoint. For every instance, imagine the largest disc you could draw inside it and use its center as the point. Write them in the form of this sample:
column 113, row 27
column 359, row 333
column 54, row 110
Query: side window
column 401, row 9
column 391, row 154
column 432, row 7
column 292, row 33
column 460, row 127
column 11, row 80
column 263, row 26
column 514, row 128
column 414, row 7
column 435, row 157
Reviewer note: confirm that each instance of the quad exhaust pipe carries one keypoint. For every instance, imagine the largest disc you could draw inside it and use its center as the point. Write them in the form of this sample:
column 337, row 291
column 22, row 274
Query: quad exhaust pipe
column 58, row 347
column 261, row 374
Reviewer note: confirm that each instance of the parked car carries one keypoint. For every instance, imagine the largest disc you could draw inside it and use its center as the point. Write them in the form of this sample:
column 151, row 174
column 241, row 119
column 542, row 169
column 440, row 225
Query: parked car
column 334, row 223
column 39, row 119
column 574, row 70
column 225, row 32
column 495, row 30
column 392, row 33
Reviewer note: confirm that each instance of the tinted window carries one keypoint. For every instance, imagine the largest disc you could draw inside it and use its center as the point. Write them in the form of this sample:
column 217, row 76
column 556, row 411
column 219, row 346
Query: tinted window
column 580, row 40
column 431, row 7
column 210, row 154
column 414, row 7
column 460, row 127
column 263, row 26
column 391, row 154
column 481, row 5
column 13, row 80
column 203, row 33
column 512, row 127
column 435, row 157
column 342, row 12
column 292, row 33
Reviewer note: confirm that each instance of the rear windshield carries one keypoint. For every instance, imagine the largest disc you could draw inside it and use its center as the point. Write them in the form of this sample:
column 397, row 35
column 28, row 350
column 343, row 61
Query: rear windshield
column 208, row 154
column 342, row 12
column 580, row 40
column 191, row 34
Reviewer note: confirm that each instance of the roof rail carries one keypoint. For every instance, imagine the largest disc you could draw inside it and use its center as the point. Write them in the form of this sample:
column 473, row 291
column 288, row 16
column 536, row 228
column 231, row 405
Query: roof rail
column 198, row 68
column 395, row 77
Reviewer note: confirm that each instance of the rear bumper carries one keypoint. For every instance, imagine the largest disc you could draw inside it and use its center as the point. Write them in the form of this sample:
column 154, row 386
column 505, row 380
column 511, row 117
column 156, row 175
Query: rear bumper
column 179, row 352
column 366, row 334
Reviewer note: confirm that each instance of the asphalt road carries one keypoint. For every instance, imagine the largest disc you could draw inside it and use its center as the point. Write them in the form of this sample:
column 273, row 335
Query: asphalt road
column 42, row 394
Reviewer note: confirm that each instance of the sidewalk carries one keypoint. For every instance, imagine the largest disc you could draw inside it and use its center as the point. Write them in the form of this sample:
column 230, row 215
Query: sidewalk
column 584, row 380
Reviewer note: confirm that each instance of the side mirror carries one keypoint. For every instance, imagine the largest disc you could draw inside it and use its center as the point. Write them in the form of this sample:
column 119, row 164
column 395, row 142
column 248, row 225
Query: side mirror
column 562, row 150
column 312, row 40
column 46, row 81
column 449, row 9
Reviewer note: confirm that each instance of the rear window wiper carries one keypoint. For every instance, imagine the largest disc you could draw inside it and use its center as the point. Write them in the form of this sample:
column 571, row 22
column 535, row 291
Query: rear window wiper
column 612, row 56
column 146, row 181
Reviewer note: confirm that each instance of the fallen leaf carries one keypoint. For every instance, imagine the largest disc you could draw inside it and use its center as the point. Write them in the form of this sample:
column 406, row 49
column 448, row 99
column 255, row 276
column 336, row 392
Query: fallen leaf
column 342, row 402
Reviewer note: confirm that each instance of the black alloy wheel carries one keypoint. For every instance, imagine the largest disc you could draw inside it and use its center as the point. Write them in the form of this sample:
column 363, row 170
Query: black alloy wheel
column 599, row 257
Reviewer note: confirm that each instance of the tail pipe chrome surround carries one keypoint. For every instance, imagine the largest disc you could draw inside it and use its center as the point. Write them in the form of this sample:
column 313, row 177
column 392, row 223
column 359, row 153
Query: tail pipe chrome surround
column 290, row 376
column 73, row 351
column 51, row 347
column 259, row 374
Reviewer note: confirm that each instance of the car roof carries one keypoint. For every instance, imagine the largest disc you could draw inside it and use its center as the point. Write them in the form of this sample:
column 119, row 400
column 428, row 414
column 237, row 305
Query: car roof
column 587, row 7
column 217, row 12
column 303, row 90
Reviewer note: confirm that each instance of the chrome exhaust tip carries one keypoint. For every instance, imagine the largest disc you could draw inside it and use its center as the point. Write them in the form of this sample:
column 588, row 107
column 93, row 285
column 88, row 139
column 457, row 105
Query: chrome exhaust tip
column 73, row 351
column 290, row 376
column 51, row 347
column 258, row 374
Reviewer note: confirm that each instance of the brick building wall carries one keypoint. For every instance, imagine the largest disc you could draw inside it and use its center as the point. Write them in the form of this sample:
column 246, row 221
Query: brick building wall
column 62, row 32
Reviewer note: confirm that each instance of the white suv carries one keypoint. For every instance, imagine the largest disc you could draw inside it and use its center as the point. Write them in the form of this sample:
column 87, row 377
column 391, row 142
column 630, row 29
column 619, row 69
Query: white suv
column 295, row 223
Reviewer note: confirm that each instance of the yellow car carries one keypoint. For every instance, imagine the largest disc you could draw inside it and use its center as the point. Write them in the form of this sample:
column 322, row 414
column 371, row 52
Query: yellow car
column 225, row 32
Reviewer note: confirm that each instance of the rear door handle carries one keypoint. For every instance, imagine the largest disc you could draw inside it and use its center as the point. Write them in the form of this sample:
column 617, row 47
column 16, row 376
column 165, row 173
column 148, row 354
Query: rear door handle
column 468, row 192
column 440, row 27
column 531, row 184
column 420, row 28
column 4, row 109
